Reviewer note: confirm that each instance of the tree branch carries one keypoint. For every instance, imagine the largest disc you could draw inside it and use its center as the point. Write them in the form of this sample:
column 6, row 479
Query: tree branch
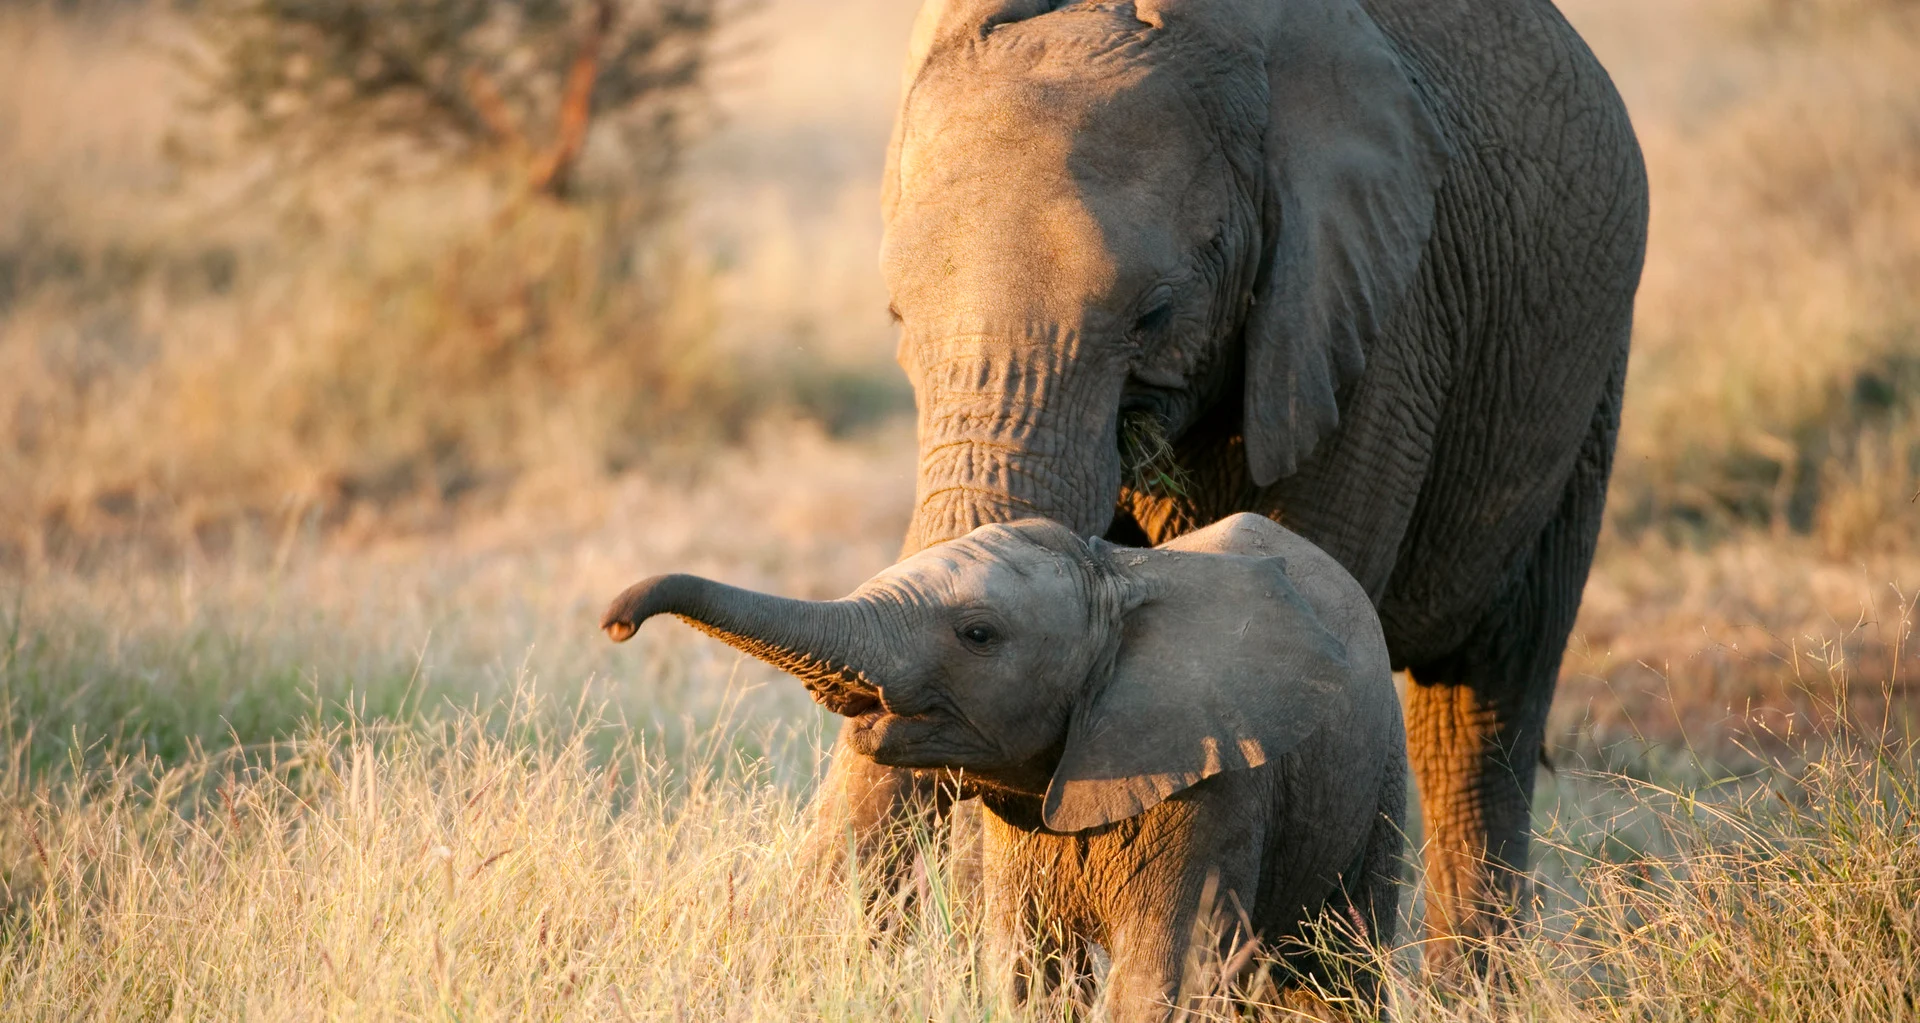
column 552, row 171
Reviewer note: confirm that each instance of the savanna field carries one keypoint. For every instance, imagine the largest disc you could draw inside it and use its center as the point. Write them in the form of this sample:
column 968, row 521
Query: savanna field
column 320, row 454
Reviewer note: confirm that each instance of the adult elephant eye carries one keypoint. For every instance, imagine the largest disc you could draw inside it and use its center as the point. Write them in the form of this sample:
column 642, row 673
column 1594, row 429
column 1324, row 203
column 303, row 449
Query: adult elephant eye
column 1153, row 320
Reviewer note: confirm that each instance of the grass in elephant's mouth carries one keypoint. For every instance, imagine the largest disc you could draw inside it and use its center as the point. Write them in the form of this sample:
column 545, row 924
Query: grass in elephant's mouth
column 1149, row 463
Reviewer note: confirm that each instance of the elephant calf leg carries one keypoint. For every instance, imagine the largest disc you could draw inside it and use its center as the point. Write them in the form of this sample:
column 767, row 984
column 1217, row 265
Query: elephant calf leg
column 1372, row 897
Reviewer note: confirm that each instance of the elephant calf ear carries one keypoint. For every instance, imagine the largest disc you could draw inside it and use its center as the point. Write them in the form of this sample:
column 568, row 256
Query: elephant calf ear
column 1224, row 668
column 1353, row 162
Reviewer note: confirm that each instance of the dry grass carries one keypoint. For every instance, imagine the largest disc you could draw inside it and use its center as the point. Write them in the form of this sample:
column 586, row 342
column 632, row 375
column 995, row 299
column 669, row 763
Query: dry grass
column 1761, row 513
column 241, row 646
column 1789, row 891
column 440, row 872
column 275, row 784
column 542, row 857
column 1772, row 384
column 445, row 872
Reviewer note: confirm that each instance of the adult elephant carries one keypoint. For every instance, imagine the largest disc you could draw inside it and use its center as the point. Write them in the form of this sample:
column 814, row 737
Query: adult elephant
column 1369, row 264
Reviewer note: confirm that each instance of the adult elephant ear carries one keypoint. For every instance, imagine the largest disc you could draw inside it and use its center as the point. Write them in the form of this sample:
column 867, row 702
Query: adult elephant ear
column 1354, row 158
column 1222, row 666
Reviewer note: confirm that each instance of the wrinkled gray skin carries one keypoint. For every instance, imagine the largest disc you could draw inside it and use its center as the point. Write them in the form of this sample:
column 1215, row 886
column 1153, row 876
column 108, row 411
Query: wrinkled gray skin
column 1370, row 264
column 1139, row 723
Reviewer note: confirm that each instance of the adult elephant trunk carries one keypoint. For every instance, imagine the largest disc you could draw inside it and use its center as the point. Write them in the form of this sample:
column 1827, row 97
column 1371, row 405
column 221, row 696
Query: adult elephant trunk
column 835, row 647
column 1014, row 430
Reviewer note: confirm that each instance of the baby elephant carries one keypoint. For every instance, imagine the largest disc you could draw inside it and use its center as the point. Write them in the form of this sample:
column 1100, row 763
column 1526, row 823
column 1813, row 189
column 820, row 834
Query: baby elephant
column 1207, row 726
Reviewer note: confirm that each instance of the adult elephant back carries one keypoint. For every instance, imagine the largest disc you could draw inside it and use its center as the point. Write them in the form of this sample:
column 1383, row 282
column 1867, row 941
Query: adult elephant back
column 1370, row 264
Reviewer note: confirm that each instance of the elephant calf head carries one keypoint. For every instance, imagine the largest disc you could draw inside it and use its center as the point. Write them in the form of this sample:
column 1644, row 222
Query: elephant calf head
column 1099, row 679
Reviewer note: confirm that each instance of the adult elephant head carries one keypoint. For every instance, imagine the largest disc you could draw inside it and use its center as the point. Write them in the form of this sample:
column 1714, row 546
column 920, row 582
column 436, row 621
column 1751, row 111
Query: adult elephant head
column 1138, row 209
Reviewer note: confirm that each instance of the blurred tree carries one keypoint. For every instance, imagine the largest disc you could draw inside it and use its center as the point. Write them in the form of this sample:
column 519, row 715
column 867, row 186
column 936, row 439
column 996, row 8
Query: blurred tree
column 510, row 85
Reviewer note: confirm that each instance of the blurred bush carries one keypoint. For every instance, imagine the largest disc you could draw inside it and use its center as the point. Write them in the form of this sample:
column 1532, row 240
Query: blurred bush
column 401, row 84
column 348, row 262
column 358, row 262
column 1775, row 384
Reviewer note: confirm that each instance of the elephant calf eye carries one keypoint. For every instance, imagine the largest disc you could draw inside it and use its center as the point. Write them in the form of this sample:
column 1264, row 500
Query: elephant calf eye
column 978, row 635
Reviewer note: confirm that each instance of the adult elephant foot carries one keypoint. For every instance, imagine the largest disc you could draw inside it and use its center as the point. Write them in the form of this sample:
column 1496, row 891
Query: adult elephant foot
column 1476, row 722
column 1472, row 754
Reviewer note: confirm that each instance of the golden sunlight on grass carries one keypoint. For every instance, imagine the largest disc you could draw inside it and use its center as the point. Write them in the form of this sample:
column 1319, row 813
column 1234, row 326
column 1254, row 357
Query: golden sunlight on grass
column 443, row 871
column 502, row 864
column 412, row 781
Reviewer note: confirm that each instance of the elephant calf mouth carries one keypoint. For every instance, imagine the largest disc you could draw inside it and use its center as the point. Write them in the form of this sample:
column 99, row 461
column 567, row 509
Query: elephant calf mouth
column 848, row 703
column 867, row 731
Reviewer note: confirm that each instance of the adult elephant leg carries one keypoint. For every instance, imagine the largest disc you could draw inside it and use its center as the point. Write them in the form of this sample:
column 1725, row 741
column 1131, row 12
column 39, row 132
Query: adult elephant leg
column 1474, row 725
column 869, row 811
column 1476, row 720
column 1018, row 428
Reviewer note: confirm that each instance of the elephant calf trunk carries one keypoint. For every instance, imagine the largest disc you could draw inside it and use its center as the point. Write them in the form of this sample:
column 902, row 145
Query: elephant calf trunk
column 661, row 594
column 829, row 645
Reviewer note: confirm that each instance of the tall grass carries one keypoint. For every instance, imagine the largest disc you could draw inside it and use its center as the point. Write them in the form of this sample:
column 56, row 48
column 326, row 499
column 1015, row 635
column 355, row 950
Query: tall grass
column 511, row 863
column 371, row 873
column 243, row 644
column 412, row 781
column 1791, row 892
